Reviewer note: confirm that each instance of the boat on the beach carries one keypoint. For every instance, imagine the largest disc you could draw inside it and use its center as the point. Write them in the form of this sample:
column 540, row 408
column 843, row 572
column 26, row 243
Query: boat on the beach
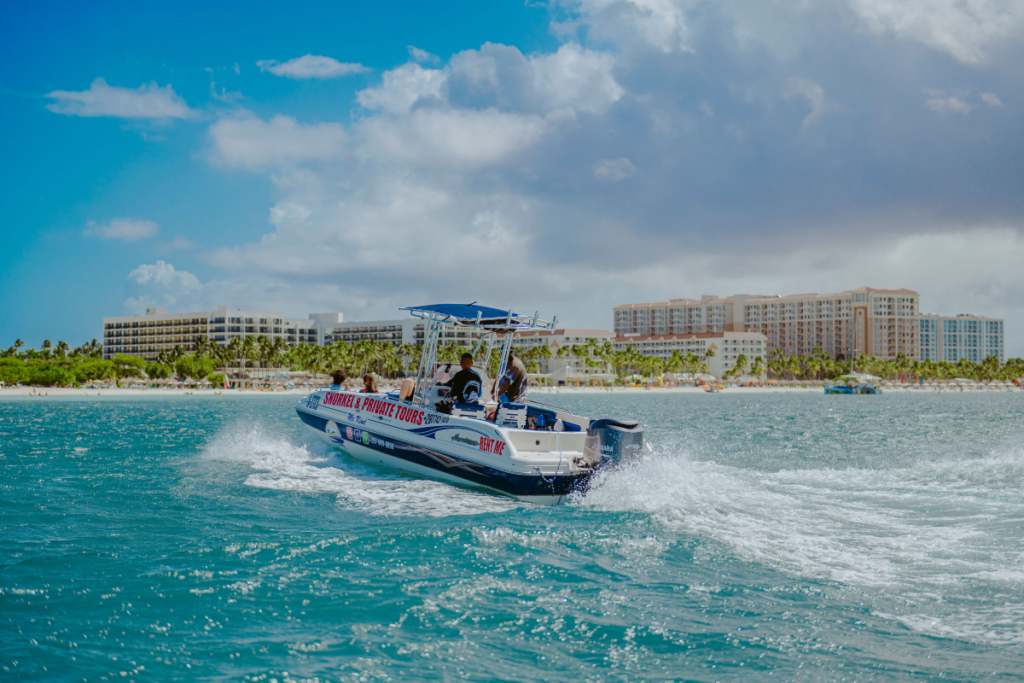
column 529, row 450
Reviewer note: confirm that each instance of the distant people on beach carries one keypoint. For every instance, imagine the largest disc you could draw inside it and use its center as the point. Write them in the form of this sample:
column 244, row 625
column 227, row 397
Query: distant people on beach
column 370, row 384
column 339, row 377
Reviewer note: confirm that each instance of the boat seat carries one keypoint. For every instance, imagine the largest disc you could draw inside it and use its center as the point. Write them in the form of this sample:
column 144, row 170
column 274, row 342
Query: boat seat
column 475, row 410
column 544, row 419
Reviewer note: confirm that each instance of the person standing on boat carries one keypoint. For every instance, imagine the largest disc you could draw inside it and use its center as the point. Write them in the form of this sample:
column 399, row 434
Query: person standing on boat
column 466, row 385
column 511, row 387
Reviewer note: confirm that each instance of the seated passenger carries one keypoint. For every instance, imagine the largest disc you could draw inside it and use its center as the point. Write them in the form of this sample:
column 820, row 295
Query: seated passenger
column 405, row 393
column 369, row 384
column 511, row 387
column 339, row 377
column 466, row 384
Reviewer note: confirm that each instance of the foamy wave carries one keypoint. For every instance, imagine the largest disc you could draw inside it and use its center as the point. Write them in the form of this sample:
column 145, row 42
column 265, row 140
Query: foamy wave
column 313, row 468
column 937, row 528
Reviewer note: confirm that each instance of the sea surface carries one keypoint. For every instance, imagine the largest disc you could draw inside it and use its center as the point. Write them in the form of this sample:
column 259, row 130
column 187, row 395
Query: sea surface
column 775, row 537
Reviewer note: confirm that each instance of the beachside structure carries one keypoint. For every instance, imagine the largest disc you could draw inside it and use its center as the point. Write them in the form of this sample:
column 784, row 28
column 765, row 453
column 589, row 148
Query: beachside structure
column 877, row 322
column 157, row 330
column 564, row 366
column 964, row 336
column 727, row 347
column 398, row 331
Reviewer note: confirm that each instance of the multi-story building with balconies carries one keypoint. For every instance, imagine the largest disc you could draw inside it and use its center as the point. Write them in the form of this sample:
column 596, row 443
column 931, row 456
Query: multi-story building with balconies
column 963, row 336
column 157, row 330
column 876, row 322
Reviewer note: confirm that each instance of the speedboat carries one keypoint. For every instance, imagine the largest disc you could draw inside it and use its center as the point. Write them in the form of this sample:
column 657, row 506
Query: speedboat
column 529, row 450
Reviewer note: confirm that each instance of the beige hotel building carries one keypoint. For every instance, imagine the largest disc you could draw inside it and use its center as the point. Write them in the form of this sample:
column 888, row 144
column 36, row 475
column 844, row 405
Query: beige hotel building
column 876, row 322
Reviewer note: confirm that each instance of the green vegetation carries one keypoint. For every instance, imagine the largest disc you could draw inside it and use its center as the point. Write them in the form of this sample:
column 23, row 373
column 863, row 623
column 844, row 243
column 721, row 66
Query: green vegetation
column 61, row 366
column 819, row 366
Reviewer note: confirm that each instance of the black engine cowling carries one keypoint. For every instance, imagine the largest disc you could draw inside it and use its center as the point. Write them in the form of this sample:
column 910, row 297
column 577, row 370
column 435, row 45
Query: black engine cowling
column 610, row 440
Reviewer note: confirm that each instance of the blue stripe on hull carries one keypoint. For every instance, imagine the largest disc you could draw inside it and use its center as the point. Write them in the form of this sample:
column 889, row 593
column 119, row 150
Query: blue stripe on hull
column 472, row 473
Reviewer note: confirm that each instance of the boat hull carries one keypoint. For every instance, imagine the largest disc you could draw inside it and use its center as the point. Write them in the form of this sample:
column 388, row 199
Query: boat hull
column 440, row 451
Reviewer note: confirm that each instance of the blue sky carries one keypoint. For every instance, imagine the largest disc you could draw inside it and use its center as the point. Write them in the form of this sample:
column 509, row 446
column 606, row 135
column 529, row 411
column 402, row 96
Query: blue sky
column 564, row 156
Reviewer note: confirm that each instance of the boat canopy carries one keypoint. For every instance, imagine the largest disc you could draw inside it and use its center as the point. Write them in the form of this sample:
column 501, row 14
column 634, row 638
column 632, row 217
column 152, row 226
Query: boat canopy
column 474, row 315
column 489, row 322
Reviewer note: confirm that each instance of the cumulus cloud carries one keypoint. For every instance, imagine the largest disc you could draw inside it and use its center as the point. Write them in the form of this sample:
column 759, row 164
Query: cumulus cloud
column 813, row 93
column 403, row 87
column 419, row 55
column 661, row 24
column 952, row 103
column 145, row 102
column 991, row 99
column 310, row 66
column 162, row 274
column 125, row 229
column 967, row 31
column 452, row 138
column 614, row 169
column 249, row 142
column 503, row 176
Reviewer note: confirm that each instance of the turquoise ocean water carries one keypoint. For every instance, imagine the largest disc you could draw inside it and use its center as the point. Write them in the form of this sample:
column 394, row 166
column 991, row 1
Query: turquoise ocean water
column 783, row 537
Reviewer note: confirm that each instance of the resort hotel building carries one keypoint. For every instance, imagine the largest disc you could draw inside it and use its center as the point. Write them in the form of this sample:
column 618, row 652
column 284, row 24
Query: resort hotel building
column 952, row 337
column 877, row 322
column 157, row 330
column 727, row 347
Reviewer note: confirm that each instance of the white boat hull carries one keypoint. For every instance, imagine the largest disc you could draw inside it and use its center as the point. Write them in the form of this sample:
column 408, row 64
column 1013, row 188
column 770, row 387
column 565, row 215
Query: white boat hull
column 383, row 431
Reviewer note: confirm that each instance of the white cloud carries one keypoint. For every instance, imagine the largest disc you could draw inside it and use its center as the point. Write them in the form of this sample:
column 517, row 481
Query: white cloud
column 661, row 24
column 403, row 87
column 421, row 55
column 464, row 182
column 146, row 102
column 126, row 229
column 162, row 274
column 180, row 242
column 966, row 30
column 952, row 103
column 815, row 96
column 457, row 138
column 614, row 169
column 576, row 77
column 253, row 143
column 991, row 99
column 310, row 66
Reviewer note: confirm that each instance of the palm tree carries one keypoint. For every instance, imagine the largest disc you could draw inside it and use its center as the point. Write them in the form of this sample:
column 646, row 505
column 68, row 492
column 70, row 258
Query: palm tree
column 757, row 367
column 47, row 345
column 202, row 346
column 248, row 350
column 62, row 349
column 18, row 343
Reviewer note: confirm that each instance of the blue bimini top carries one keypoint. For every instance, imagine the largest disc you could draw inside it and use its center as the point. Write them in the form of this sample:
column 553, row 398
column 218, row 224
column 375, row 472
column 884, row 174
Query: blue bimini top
column 466, row 313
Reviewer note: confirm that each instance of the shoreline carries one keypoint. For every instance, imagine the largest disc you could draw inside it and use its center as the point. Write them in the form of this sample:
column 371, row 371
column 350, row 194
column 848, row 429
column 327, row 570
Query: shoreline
column 18, row 393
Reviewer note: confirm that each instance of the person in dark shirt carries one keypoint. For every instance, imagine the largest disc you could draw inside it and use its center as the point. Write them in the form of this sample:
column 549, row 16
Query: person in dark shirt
column 511, row 387
column 467, row 384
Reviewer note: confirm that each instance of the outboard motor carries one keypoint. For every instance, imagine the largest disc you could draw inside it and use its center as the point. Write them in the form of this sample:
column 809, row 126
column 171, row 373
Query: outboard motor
column 610, row 440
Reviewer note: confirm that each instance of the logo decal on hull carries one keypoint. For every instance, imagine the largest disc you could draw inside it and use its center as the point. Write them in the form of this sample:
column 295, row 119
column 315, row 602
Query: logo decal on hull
column 459, row 438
